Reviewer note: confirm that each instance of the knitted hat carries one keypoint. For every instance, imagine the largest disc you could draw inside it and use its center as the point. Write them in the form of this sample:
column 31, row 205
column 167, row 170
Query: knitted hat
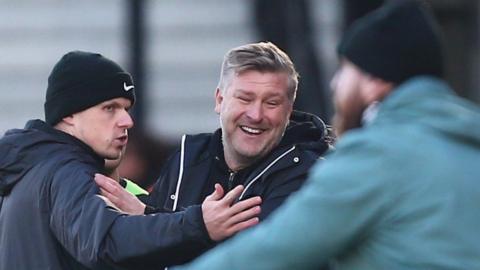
column 395, row 42
column 81, row 80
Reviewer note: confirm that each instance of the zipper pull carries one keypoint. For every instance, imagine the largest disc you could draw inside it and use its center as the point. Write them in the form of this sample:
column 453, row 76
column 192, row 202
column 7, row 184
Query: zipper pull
column 230, row 180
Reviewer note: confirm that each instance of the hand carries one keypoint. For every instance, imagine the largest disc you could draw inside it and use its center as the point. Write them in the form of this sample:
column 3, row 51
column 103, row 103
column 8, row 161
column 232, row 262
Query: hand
column 122, row 199
column 223, row 219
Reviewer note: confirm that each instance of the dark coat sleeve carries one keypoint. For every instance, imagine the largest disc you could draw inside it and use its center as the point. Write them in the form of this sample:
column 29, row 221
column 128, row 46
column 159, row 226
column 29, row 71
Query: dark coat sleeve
column 95, row 234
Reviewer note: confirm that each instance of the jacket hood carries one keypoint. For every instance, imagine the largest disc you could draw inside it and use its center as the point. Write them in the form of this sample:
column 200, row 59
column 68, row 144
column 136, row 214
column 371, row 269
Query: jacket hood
column 22, row 149
column 431, row 102
column 306, row 130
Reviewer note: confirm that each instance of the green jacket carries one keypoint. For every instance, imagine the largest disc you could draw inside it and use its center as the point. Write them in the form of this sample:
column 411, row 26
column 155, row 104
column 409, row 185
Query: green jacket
column 400, row 193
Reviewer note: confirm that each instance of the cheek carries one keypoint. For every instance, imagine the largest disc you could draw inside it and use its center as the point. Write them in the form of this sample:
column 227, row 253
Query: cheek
column 278, row 118
column 91, row 138
column 342, row 96
column 101, row 131
column 343, row 93
column 232, row 111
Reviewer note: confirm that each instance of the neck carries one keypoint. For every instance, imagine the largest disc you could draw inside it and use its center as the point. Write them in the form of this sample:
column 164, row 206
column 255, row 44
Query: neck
column 64, row 128
column 237, row 163
column 114, row 174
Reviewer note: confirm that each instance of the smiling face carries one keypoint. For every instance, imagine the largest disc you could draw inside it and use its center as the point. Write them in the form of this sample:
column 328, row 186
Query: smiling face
column 103, row 127
column 254, row 111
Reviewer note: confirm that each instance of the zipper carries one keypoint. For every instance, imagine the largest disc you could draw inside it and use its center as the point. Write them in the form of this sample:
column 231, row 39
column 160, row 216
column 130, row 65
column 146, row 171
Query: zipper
column 180, row 174
column 230, row 180
column 264, row 170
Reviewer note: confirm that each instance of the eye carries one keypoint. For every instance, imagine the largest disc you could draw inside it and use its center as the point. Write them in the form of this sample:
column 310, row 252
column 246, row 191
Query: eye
column 273, row 103
column 244, row 99
column 109, row 108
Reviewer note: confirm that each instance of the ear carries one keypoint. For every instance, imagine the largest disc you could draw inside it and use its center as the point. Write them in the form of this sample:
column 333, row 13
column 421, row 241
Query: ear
column 218, row 100
column 67, row 124
column 69, row 120
column 375, row 89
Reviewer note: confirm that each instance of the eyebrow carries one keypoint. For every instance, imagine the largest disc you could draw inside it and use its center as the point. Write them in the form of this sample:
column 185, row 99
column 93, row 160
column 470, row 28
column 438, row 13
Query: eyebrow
column 116, row 104
column 245, row 92
column 252, row 93
column 110, row 103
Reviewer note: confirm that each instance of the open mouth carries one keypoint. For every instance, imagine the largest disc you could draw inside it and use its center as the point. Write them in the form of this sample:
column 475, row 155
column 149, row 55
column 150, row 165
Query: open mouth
column 251, row 131
column 122, row 139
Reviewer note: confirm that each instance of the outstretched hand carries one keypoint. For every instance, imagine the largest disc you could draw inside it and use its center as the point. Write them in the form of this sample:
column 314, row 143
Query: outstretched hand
column 122, row 199
column 222, row 219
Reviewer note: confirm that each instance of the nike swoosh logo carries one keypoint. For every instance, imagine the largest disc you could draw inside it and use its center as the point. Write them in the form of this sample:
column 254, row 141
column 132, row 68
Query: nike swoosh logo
column 127, row 88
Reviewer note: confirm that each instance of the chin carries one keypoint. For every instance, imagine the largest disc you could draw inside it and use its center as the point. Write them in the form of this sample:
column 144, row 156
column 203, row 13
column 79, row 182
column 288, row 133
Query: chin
column 254, row 154
column 111, row 155
column 342, row 128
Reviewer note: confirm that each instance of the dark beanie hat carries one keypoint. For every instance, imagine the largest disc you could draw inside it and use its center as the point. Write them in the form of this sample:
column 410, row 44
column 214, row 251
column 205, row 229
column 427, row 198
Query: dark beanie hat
column 395, row 42
column 81, row 80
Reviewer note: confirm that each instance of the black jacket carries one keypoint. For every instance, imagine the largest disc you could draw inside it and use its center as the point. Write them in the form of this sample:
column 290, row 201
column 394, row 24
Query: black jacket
column 52, row 218
column 192, row 171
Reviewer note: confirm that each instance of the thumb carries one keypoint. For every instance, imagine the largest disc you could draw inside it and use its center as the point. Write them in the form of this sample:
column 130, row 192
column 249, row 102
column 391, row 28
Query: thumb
column 217, row 194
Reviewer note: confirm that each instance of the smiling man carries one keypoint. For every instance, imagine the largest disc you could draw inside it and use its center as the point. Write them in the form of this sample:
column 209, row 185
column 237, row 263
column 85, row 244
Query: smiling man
column 261, row 144
column 51, row 216
column 254, row 110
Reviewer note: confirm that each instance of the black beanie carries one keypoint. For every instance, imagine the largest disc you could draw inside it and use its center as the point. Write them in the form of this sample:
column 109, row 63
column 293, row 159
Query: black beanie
column 81, row 80
column 395, row 42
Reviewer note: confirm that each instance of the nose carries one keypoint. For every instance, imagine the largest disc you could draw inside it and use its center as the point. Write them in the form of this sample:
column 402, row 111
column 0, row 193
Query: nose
column 125, row 120
column 255, row 112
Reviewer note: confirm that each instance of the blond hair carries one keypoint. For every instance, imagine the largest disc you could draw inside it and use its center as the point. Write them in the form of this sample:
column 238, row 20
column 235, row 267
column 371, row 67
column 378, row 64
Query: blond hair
column 263, row 57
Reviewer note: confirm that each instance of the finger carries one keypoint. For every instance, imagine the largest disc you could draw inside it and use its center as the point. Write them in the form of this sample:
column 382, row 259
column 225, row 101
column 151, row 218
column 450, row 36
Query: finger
column 114, row 199
column 108, row 184
column 243, row 225
column 104, row 181
column 232, row 195
column 110, row 188
column 100, row 179
column 103, row 191
column 217, row 194
column 245, row 204
column 243, row 216
column 103, row 178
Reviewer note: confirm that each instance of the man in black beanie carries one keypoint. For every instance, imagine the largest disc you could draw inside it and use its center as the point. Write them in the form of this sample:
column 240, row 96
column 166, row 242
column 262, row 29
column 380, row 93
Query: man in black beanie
column 401, row 191
column 391, row 45
column 51, row 216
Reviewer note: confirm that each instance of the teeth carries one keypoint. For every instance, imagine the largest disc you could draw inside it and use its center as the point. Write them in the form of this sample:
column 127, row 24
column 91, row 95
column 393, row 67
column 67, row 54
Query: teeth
column 251, row 130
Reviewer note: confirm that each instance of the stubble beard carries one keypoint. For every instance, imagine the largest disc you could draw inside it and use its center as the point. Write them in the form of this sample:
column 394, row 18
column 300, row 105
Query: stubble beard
column 343, row 123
